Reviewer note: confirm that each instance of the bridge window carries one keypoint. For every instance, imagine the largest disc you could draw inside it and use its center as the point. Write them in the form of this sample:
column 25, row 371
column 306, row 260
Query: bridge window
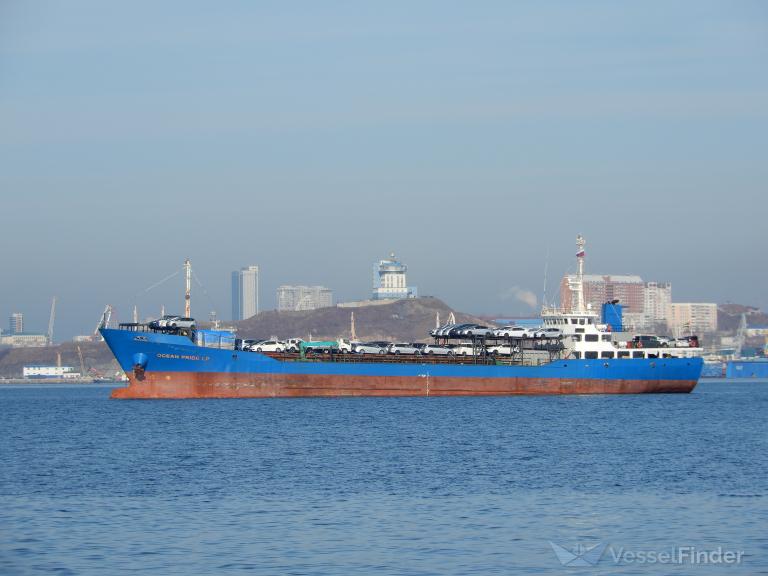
column 590, row 338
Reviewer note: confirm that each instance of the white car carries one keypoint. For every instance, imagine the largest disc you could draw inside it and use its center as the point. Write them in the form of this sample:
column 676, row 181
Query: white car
column 181, row 322
column 439, row 331
column 403, row 348
column 368, row 348
column 267, row 346
column 293, row 344
column 514, row 332
column 477, row 330
column 438, row 350
column 466, row 349
column 685, row 342
column 164, row 322
column 548, row 333
column 246, row 344
column 503, row 350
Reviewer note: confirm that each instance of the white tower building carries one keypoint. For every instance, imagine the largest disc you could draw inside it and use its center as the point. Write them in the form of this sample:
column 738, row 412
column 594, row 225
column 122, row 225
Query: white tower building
column 389, row 281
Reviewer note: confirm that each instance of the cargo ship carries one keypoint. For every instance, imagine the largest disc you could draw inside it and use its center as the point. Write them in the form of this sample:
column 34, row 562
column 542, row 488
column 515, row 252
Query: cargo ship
column 166, row 361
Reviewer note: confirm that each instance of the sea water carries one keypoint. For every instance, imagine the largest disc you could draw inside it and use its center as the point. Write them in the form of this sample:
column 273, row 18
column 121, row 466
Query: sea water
column 637, row 484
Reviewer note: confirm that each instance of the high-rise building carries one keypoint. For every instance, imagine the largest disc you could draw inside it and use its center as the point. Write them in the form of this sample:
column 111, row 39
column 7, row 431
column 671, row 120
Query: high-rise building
column 245, row 293
column 389, row 280
column 629, row 290
column 16, row 323
column 292, row 298
column 686, row 318
column 657, row 298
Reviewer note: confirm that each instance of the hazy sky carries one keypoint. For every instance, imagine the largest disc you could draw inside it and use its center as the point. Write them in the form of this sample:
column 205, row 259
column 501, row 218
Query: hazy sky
column 472, row 138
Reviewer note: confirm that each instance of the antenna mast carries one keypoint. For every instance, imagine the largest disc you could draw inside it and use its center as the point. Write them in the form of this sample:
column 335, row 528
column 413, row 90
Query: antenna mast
column 544, row 293
column 187, row 294
column 580, row 242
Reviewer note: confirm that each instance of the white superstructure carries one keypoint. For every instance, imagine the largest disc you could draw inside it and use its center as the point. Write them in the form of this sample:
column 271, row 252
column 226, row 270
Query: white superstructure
column 586, row 337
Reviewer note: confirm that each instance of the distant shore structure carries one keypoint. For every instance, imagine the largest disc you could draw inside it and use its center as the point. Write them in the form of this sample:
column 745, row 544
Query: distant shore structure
column 295, row 298
column 24, row 340
column 389, row 280
column 37, row 371
column 245, row 293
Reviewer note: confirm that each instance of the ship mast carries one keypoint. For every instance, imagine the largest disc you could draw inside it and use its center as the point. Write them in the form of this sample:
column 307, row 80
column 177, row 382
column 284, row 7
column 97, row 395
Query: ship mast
column 188, row 292
column 580, row 242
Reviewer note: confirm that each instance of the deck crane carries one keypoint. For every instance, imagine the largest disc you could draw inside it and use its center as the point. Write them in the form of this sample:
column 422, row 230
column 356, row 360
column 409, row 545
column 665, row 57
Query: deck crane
column 51, row 320
column 104, row 320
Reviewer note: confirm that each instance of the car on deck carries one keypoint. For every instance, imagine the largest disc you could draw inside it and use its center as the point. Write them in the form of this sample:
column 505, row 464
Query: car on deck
column 403, row 348
column 368, row 348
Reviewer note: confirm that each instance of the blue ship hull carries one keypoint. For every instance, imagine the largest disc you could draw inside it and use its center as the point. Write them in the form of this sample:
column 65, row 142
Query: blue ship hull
column 170, row 366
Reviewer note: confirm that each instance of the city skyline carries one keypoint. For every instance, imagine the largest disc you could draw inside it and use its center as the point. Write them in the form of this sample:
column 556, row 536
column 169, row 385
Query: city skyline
column 474, row 143
column 201, row 299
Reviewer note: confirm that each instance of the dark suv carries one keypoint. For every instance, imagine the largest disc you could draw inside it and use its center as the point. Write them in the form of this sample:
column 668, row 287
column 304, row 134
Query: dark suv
column 647, row 342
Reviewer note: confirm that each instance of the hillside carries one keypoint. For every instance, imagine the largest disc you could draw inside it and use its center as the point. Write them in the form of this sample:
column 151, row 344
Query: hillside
column 729, row 317
column 403, row 320
column 95, row 355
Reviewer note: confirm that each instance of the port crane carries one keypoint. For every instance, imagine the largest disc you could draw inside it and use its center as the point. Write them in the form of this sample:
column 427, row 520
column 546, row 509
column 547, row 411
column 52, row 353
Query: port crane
column 51, row 320
column 82, row 362
column 741, row 335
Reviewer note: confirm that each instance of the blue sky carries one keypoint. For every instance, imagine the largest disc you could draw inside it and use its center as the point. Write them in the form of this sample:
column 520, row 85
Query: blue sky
column 313, row 138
